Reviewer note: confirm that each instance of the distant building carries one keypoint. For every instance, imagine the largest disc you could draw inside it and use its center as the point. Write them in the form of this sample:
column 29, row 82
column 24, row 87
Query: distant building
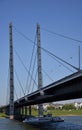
column 45, row 106
column 78, row 105
column 57, row 106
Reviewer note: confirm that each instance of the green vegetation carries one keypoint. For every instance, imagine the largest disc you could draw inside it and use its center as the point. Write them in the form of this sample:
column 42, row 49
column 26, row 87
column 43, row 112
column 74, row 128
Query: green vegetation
column 55, row 112
column 62, row 112
column 2, row 115
column 66, row 110
column 69, row 106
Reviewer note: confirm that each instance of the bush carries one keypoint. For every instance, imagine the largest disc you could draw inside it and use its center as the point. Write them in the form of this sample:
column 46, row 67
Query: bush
column 68, row 106
column 50, row 108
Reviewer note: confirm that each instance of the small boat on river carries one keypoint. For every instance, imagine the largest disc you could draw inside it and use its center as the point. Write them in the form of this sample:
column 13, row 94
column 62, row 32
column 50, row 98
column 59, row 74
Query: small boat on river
column 42, row 120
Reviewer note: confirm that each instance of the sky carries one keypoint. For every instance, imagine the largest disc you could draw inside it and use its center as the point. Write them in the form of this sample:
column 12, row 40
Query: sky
column 60, row 16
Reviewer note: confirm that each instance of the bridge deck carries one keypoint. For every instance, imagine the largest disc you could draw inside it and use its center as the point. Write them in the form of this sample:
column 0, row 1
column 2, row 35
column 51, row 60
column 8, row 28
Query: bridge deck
column 69, row 87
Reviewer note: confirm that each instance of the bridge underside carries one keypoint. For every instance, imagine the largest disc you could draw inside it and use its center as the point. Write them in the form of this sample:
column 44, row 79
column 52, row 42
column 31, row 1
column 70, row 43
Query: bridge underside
column 65, row 89
column 71, row 89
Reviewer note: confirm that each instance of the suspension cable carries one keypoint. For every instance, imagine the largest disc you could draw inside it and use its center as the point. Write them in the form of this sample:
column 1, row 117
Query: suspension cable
column 7, row 94
column 61, row 35
column 30, row 64
column 35, row 80
column 16, row 94
column 25, row 67
column 60, row 63
column 32, row 71
column 23, row 35
column 60, row 59
column 47, row 75
column 19, row 82
column 47, row 50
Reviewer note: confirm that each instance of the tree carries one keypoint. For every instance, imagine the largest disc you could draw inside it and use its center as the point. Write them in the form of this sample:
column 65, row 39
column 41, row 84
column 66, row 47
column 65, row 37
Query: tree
column 68, row 106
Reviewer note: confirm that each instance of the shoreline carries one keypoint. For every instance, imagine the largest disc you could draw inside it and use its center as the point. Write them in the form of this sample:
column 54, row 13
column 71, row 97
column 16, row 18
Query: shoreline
column 70, row 115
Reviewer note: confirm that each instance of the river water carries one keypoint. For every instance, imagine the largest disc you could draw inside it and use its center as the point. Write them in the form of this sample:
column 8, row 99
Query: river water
column 70, row 123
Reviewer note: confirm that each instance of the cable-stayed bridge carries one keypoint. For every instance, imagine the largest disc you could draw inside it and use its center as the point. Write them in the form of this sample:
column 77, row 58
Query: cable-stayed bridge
column 69, row 87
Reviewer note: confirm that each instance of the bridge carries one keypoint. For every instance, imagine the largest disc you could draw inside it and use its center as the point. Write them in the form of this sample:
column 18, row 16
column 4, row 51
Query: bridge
column 69, row 87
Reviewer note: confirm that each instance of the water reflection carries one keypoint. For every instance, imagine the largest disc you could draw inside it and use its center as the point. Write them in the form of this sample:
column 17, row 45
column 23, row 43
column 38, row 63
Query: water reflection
column 71, row 123
column 62, row 126
column 6, row 124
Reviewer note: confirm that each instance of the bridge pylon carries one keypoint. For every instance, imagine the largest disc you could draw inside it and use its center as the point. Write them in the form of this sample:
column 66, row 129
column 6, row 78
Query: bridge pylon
column 40, row 83
column 11, row 75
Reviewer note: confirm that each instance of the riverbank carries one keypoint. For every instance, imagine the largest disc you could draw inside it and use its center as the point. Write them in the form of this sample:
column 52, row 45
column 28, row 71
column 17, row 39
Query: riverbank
column 61, row 112
column 3, row 115
column 55, row 113
column 66, row 112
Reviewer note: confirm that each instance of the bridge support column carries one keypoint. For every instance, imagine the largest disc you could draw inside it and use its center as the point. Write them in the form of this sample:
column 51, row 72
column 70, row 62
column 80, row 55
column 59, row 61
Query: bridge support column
column 40, row 109
column 6, row 111
column 30, row 110
column 22, row 110
column 17, row 111
column 25, row 110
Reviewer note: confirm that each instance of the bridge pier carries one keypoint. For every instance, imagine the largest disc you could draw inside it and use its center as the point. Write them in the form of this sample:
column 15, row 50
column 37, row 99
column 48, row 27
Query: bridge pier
column 22, row 110
column 30, row 111
column 26, row 110
column 7, row 111
column 11, row 65
column 17, row 113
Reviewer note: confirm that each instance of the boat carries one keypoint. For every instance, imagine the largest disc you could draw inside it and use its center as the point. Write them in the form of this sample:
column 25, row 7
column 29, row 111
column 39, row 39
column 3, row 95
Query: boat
column 42, row 120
